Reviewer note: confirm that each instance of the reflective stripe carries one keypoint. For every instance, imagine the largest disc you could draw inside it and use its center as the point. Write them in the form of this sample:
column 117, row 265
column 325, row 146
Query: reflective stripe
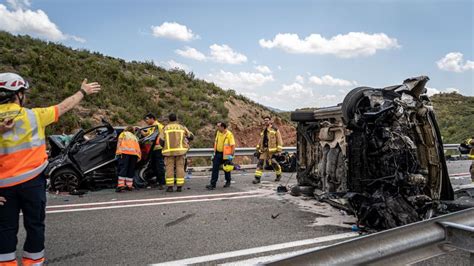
column 170, row 181
column 23, row 177
column 36, row 141
column 33, row 256
column 258, row 173
column 7, row 256
column 30, row 262
column 180, row 181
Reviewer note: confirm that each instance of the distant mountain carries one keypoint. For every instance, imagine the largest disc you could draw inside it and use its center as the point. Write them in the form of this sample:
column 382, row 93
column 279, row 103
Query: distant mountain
column 130, row 90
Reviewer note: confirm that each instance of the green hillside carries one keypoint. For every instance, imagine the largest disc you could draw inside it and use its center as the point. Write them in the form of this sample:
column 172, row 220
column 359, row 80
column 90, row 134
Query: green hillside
column 455, row 114
column 130, row 89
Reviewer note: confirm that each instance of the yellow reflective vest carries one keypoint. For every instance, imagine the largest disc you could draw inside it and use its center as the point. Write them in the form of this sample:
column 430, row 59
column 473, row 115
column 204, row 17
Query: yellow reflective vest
column 223, row 143
column 175, row 138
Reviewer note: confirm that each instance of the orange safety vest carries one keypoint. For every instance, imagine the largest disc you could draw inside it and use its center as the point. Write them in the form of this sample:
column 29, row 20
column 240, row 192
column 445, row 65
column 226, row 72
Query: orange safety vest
column 23, row 160
column 128, row 144
column 227, row 151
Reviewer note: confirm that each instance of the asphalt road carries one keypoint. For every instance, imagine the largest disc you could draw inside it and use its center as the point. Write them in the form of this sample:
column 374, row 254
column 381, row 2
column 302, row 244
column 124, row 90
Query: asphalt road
column 243, row 224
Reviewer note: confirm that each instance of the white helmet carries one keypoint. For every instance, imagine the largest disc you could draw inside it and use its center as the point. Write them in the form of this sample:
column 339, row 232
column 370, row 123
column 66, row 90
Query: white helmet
column 11, row 83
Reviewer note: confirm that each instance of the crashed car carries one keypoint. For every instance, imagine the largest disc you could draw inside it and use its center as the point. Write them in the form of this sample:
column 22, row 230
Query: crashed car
column 378, row 155
column 87, row 159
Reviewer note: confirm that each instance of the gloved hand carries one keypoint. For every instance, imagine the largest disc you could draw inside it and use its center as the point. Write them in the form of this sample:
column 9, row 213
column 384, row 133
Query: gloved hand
column 230, row 158
column 212, row 157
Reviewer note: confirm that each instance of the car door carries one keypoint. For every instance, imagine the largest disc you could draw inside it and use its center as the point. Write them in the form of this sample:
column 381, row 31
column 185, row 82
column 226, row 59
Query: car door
column 96, row 149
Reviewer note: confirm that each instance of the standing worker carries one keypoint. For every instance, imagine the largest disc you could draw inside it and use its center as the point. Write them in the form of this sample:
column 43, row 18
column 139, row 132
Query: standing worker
column 128, row 152
column 22, row 161
column 175, row 141
column 224, row 149
column 470, row 142
column 157, row 161
column 269, row 145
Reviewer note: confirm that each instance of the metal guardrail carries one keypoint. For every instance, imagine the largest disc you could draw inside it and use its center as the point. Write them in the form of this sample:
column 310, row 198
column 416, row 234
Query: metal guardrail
column 207, row 152
column 399, row 246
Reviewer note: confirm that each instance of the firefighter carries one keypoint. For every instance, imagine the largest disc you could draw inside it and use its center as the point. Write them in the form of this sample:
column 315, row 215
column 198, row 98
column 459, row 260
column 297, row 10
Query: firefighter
column 128, row 153
column 224, row 149
column 175, row 141
column 269, row 145
column 157, row 161
column 23, row 158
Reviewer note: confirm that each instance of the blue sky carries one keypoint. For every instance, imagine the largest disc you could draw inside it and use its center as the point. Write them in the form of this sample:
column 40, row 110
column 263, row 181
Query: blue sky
column 284, row 54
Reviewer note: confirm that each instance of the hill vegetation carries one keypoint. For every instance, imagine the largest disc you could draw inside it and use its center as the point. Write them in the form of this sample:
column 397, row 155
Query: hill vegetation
column 130, row 89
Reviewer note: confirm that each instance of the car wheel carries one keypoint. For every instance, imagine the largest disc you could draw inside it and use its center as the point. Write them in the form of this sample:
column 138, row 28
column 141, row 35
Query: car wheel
column 351, row 101
column 302, row 116
column 65, row 180
column 145, row 173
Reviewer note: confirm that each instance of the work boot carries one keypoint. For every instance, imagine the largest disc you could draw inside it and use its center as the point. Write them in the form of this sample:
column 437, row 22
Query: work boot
column 256, row 180
column 179, row 189
column 210, row 187
column 169, row 189
column 129, row 188
column 227, row 184
column 161, row 187
column 119, row 189
column 278, row 178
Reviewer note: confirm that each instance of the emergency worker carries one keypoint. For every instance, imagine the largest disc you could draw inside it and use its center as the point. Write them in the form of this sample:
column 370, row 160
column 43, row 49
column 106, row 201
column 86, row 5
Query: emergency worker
column 128, row 152
column 224, row 149
column 175, row 141
column 157, row 160
column 23, row 159
column 269, row 145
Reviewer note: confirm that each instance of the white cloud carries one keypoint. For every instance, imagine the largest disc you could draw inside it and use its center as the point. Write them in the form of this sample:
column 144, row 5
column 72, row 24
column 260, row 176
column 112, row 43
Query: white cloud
column 432, row 91
column 173, row 30
column 295, row 91
column 225, row 54
column 328, row 80
column 263, row 69
column 454, row 62
column 175, row 65
column 241, row 80
column 32, row 22
column 349, row 45
column 299, row 79
column 191, row 53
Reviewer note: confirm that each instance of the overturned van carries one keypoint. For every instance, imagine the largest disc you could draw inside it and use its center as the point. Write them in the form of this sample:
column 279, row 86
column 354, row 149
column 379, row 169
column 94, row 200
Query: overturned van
column 378, row 154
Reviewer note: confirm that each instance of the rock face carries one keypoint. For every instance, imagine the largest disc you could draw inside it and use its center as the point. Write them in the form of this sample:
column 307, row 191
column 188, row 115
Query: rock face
column 246, row 122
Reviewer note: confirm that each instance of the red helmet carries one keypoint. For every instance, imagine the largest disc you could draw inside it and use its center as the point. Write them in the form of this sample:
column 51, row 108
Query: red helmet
column 11, row 83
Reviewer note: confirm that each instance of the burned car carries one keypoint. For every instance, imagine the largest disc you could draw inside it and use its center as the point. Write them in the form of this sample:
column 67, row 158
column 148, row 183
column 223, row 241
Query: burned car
column 378, row 155
column 87, row 158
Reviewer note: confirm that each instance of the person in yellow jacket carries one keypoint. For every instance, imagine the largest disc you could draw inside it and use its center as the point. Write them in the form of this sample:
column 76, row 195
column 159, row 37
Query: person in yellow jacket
column 128, row 152
column 175, row 141
column 157, row 160
column 224, row 149
column 269, row 145
column 23, row 159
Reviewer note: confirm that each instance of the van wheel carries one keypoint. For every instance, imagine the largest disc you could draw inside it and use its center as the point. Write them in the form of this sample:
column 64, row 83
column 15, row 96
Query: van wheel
column 65, row 180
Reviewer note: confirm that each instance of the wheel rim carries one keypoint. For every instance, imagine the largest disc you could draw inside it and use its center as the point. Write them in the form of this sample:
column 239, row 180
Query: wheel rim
column 66, row 182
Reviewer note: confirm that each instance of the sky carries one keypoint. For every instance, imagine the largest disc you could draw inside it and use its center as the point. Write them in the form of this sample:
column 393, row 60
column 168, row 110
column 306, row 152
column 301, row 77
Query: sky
column 282, row 54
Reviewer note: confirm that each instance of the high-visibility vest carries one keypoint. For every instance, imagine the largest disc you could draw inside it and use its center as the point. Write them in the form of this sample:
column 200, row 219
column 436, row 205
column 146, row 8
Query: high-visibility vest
column 128, row 144
column 275, row 142
column 174, row 137
column 227, row 150
column 23, row 149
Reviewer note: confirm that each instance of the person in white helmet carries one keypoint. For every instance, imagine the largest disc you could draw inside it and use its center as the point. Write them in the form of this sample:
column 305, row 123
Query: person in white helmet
column 22, row 161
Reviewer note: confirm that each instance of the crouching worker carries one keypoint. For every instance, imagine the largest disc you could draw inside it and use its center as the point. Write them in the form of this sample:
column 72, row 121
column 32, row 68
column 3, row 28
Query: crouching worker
column 128, row 152
column 175, row 141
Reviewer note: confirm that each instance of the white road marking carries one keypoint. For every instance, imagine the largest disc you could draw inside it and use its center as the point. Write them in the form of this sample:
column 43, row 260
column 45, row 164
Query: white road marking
column 152, row 204
column 270, row 258
column 251, row 251
column 151, row 199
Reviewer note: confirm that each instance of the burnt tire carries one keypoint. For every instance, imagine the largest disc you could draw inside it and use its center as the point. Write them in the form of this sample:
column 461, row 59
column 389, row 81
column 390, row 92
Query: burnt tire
column 302, row 116
column 65, row 180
